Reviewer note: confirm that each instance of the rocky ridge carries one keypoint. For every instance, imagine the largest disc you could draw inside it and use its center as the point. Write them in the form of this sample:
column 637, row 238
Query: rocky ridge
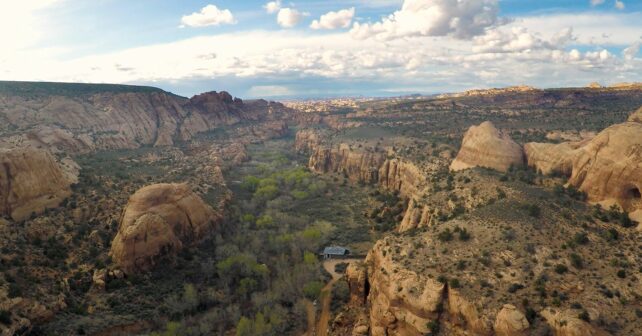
column 104, row 119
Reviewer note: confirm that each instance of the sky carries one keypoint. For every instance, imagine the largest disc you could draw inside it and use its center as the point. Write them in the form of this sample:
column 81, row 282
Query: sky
column 322, row 48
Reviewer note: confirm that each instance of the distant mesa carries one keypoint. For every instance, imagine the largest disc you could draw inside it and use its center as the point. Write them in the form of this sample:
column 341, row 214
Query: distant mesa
column 594, row 85
column 159, row 221
column 486, row 146
column 31, row 181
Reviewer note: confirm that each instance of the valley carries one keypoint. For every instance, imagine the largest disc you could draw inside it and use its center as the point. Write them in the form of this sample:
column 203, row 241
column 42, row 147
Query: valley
column 130, row 210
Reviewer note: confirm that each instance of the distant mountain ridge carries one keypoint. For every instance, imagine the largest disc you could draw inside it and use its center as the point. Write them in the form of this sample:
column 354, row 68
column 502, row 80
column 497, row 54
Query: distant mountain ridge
column 85, row 117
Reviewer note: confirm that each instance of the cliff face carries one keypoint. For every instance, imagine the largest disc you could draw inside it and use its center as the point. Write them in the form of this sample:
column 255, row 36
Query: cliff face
column 372, row 167
column 409, row 288
column 357, row 166
column 30, row 181
column 158, row 221
column 115, row 120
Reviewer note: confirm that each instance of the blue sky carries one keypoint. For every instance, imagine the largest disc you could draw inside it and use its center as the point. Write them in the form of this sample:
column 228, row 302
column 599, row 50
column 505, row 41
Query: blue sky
column 355, row 47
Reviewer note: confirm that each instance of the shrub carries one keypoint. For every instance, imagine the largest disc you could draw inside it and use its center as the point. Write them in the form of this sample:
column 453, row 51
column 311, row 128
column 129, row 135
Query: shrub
column 561, row 269
column 584, row 315
column 515, row 287
column 576, row 261
column 464, row 235
column 445, row 235
column 581, row 238
column 454, row 283
column 312, row 289
column 5, row 317
column 621, row 274
column 433, row 326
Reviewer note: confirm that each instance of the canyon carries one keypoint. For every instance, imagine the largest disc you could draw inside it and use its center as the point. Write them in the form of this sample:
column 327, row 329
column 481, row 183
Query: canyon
column 495, row 212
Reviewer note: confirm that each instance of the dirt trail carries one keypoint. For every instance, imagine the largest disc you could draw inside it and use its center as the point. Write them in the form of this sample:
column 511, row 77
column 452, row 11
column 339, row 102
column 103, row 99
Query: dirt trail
column 326, row 294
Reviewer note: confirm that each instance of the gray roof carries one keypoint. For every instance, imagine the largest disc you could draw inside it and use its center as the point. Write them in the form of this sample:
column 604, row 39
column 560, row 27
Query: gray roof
column 335, row 250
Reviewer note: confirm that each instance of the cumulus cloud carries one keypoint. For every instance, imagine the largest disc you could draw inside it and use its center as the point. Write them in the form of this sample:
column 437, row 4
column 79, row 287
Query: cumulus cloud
column 461, row 19
column 209, row 15
column 289, row 17
column 334, row 20
column 619, row 4
column 272, row 6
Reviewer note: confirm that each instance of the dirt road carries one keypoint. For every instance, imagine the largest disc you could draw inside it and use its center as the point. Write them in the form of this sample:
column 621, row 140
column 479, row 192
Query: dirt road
column 326, row 294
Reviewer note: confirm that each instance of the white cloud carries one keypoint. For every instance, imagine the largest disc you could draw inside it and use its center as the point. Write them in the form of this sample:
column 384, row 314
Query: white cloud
column 458, row 18
column 596, row 2
column 272, row 6
column 289, row 17
column 334, row 20
column 619, row 4
column 209, row 15
column 631, row 51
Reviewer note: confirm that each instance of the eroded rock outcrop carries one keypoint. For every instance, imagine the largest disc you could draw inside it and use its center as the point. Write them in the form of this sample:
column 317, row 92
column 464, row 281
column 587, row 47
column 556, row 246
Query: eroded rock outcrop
column 158, row 221
column 402, row 302
column 608, row 167
column 357, row 277
column 30, row 181
column 357, row 166
column 486, row 146
column 550, row 158
column 566, row 323
column 511, row 322
column 636, row 116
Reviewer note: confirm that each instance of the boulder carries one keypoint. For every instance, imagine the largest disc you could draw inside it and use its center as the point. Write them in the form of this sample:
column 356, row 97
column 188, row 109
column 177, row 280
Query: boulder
column 30, row 182
column 510, row 322
column 486, row 146
column 158, row 221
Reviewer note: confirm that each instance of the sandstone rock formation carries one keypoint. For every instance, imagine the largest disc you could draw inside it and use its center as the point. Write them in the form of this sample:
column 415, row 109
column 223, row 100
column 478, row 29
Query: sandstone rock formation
column 510, row 322
column 402, row 302
column 30, row 181
column 551, row 158
column 356, row 275
column 608, row 167
column 357, row 166
column 566, row 323
column 158, row 221
column 485, row 146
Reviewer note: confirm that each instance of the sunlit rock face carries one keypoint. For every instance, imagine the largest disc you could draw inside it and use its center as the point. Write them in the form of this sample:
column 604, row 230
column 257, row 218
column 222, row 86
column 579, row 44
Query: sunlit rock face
column 486, row 146
column 30, row 181
column 158, row 221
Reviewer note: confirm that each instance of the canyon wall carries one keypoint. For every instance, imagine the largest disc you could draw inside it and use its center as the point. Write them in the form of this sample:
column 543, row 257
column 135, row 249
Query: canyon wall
column 104, row 119
column 371, row 166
